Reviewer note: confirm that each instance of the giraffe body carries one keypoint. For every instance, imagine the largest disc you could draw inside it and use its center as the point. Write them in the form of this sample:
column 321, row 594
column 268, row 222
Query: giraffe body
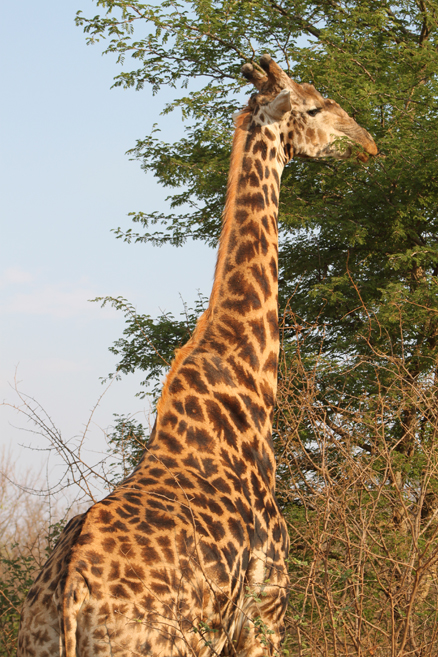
column 187, row 556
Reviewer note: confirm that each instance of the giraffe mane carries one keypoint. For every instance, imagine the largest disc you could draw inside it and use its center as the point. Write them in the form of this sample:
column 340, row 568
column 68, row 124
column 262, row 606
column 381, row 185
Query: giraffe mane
column 241, row 123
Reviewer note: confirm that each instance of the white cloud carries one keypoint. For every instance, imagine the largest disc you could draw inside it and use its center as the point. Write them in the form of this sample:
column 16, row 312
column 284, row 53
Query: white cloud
column 61, row 365
column 60, row 300
column 14, row 276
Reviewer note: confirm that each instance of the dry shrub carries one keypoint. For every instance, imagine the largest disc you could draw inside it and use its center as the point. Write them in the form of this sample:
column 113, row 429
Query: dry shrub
column 24, row 513
column 358, row 482
column 30, row 523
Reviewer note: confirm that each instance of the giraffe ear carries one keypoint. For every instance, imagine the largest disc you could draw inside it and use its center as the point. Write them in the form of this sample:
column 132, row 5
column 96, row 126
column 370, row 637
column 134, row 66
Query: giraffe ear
column 281, row 104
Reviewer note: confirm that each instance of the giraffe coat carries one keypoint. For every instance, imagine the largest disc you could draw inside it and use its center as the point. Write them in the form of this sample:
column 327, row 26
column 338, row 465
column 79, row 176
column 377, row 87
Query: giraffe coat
column 188, row 555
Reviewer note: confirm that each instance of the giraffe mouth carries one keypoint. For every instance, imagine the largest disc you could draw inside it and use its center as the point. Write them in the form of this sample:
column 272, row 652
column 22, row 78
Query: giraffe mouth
column 364, row 139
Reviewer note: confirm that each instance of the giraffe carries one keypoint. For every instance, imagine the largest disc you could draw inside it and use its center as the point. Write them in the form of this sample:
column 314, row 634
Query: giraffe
column 187, row 556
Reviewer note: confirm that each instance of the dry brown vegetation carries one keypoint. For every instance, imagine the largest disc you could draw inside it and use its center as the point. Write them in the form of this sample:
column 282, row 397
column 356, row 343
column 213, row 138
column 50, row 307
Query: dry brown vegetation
column 358, row 480
column 25, row 520
column 31, row 519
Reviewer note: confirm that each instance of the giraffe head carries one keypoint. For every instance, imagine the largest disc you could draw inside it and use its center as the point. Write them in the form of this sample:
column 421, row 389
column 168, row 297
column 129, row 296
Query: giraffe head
column 309, row 125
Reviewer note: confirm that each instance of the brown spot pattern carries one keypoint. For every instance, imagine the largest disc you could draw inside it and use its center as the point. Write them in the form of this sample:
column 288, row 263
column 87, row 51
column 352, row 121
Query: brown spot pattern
column 196, row 523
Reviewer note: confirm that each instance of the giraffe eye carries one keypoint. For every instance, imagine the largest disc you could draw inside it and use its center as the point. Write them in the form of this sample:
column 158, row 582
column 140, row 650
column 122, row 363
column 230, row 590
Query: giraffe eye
column 314, row 112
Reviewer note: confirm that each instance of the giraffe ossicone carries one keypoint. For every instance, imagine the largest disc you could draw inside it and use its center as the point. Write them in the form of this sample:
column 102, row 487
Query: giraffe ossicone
column 187, row 556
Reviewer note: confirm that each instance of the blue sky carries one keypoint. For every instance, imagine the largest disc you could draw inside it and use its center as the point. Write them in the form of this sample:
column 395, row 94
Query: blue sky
column 66, row 181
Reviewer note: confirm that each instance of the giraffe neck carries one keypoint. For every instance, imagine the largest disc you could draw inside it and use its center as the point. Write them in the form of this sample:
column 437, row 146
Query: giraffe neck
column 245, row 287
column 249, row 235
column 218, row 400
